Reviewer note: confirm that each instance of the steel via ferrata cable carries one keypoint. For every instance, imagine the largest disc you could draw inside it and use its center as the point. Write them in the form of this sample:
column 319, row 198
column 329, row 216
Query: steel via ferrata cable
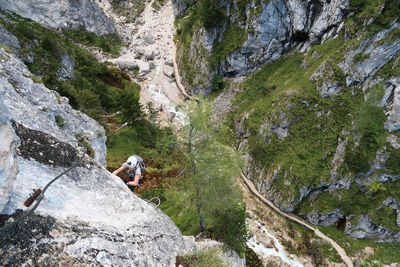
column 39, row 194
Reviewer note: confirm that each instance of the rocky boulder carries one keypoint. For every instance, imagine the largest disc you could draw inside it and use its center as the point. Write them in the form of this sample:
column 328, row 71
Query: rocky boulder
column 64, row 14
column 66, row 69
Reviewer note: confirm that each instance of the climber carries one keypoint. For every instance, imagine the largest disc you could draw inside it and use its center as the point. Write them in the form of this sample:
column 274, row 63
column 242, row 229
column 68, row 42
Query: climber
column 134, row 167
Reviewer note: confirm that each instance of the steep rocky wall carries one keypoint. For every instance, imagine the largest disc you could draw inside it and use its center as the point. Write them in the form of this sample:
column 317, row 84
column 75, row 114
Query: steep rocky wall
column 8, row 163
column 65, row 14
column 313, row 148
column 113, row 226
column 268, row 29
column 33, row 105
column 88, row 217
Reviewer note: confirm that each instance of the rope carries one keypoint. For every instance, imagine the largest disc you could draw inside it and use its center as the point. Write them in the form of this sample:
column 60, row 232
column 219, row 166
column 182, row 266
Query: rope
column 39, row 195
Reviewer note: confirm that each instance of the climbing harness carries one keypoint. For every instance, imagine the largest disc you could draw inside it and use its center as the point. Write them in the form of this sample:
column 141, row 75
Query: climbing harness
column 38, row 194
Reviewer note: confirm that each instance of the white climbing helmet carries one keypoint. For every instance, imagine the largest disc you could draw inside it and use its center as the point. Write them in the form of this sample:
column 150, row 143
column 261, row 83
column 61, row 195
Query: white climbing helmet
column 131, row 162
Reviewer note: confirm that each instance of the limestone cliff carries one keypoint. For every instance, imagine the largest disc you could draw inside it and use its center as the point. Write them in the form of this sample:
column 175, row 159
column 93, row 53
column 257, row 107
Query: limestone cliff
column 88, row 216
column 66, row 14
column 248, row 34
column 319, row 127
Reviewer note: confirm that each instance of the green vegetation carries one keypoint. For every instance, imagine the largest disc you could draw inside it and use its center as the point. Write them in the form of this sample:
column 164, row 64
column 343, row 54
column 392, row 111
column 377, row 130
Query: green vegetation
column 203, row 258
column 309, row 244
column 360, row 57
column 390, row 69
column 217, row 84
column 59, row 121
column 81, row 137
column 130, row 9
column 204, row 196
column 232, row 40
column 6, row 48
column 109, row 43
column 383, row 12
column 95, row 89
column 209, row 14
column 386, row 253
column 157, row 4
column 282, row 95
column 358, row 200
column 392, row 164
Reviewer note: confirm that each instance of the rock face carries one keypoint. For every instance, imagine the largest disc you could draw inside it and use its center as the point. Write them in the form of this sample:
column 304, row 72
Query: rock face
column 366, row 67
column 66, row 69
column 65, row 14
column 8, row 163
column 113, row 227
column 8, row 39
column 280, row 26
column 34, row 106
column 88, row 217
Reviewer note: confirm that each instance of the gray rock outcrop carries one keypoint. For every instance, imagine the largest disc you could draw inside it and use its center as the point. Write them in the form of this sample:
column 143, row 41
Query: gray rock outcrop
column 64, row 14
column 364, row 228
column 66, row 69
column 376, row 56
column 8, row 39
column 280, row 26
column 360, row 70
column 88, row 217
column 317, row 218
column 35, row 106
column 8, row 145
column 179, row 7
column 393, row 121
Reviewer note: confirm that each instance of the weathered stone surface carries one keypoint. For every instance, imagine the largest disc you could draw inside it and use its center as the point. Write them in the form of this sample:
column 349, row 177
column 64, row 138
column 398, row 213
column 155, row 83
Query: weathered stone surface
column 366, row 229
column 393, row 121
column 338, row 158
column 63, row 14
column 66, row 69
column 113, row 226
column 230, row 257
column 169, row 73
column 8, row 163
column 317, row 218
column 377, row 57
column 36, row 107
column 128, row 65
column 281, row 26
column 179, row 7
column 8, row 39
column 280, row 127
column 326, row 86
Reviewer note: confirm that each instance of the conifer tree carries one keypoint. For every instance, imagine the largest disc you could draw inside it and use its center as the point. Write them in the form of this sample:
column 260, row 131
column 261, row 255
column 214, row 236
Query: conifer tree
column 213, row 171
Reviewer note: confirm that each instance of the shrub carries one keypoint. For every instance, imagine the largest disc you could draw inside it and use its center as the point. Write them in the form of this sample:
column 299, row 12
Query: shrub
column 129, row 106
column 203, row 258
column 59, row 121
column 231, row 228
column 217, row 84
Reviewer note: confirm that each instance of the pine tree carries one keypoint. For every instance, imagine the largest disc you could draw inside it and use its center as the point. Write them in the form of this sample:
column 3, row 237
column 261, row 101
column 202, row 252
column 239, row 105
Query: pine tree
column 213, row 169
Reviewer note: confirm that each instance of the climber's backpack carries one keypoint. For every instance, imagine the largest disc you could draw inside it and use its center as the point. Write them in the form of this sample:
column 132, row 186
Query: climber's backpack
column 140, row 164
